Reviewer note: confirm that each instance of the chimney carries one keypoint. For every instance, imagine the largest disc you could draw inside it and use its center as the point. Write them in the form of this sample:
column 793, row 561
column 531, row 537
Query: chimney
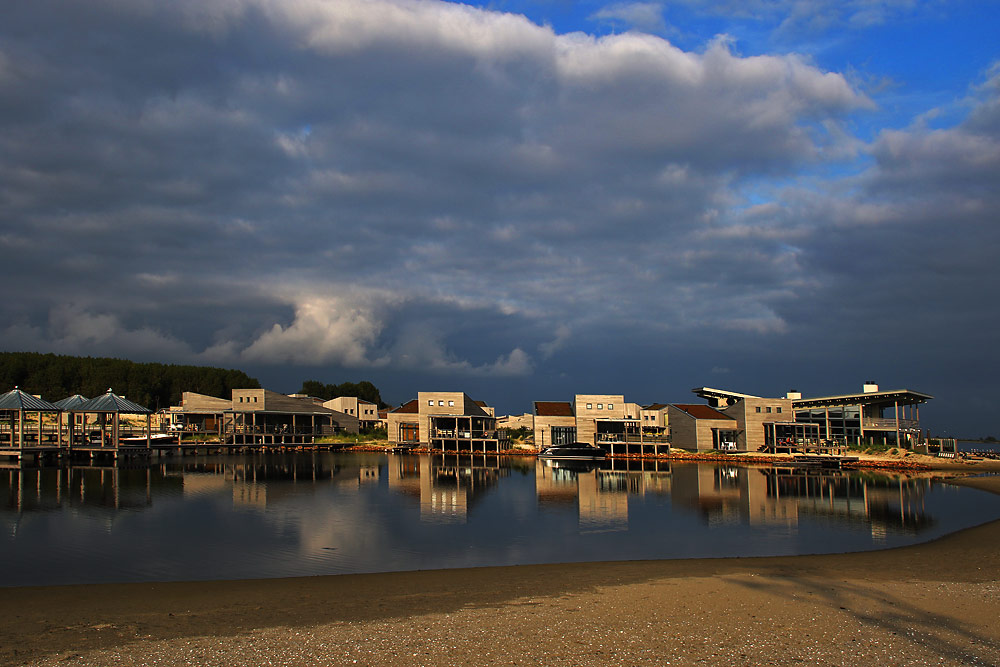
column 794, row 394
column 870, row 387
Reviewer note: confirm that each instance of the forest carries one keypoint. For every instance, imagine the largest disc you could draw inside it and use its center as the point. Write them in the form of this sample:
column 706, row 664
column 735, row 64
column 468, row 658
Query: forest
column 55, row 376
column 364, row 390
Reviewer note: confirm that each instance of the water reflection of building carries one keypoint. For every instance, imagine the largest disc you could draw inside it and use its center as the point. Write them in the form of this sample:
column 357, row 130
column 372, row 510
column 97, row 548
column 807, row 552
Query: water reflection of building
column 780, row 495
column 731, row 494
column 600, row 490
column 446, row 485
column 259, row 480
column 116, row 487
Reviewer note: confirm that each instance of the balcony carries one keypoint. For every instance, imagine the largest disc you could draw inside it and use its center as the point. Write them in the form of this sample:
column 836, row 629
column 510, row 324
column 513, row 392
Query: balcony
column 630, row 438
column 882, row 424
column 463, row 434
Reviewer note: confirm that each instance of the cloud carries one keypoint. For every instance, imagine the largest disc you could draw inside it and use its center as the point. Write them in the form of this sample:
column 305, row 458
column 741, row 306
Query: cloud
column 814, row 15
column 73, row 329
column 333, row 329
column 644, row 16
column 431, row 190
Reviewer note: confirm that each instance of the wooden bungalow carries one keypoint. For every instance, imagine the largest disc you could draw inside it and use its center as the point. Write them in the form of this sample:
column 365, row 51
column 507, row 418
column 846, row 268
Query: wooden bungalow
column 262, row 417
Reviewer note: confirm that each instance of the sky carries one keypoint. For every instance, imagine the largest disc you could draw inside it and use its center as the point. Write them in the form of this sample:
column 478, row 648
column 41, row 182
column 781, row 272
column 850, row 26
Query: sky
column 519, row 200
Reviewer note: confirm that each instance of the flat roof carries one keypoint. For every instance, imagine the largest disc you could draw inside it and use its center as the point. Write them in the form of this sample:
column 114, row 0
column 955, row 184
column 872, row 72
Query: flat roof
column 709, row 392
column 874, row 397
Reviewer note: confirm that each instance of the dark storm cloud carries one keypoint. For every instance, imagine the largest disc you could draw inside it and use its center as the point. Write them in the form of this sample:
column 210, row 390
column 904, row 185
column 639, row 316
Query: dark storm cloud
column 427, row 187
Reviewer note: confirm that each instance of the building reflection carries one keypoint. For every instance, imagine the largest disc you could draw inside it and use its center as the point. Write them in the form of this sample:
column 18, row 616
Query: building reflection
column 599, row 489
column 27, row 489
column 446, row 485
column 733, row 494
column 445, row 488
column 783, row 495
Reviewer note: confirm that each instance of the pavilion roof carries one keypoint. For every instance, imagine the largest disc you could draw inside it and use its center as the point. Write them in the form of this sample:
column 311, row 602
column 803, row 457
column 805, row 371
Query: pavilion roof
column 71, row 402
column 111, row 402
column 15, row 399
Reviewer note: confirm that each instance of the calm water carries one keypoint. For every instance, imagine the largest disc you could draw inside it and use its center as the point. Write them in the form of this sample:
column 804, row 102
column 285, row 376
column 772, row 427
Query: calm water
column 308, row 514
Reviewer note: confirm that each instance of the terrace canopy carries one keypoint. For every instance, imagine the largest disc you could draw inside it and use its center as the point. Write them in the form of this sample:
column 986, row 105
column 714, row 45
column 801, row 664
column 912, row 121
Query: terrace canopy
column 17, row 403
column 110, row 405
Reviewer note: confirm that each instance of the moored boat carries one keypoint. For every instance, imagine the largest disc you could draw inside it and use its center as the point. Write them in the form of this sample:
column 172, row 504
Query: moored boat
column 573, row 451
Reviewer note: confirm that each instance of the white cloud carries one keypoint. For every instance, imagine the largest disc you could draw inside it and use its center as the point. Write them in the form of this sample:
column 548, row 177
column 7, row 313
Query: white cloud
column 645, row 16
column 336, row 329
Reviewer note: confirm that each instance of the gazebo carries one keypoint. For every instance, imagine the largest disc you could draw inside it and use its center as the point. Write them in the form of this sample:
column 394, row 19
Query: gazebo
column 15, row 405
column 104, row 406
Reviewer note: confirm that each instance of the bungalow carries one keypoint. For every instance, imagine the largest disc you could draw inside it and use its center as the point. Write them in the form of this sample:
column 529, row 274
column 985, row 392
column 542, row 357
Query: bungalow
column 605, row 420
column 449, row 421
column 260, row 416
column 365, row 411
column 701, row 428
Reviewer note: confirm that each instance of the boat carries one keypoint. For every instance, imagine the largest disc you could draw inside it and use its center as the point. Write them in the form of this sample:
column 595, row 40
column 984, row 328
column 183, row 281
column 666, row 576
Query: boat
column 573, row 451
column 154, row 438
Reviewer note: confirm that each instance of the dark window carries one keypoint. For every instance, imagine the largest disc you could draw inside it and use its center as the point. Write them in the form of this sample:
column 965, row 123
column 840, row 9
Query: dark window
column 563, row 435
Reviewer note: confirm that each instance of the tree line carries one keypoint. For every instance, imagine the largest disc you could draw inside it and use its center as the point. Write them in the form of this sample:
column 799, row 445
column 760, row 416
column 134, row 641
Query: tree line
column 155, row 386
column 364, row 390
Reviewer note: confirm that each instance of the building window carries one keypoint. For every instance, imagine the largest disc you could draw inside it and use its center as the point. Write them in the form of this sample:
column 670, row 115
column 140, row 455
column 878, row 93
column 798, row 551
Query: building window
column 590, row 405
column 441, row 403
column 757, row 408
column 778, row 410
column 600, row 406
column 611, row 406
column 451, row 404
column 431, row 402
column 563, row 435
column 254, row 399
column 769, row 409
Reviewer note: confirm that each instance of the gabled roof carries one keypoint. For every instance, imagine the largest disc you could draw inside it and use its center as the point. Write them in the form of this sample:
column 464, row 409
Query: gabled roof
column 15, row 399
column 410, row 407
column 553, row 409
column 71, row 402
column 702, row 412
column 111, row 402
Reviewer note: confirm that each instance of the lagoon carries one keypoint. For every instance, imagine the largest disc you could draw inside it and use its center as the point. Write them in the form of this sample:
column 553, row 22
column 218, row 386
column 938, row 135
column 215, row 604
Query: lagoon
column 318, row 513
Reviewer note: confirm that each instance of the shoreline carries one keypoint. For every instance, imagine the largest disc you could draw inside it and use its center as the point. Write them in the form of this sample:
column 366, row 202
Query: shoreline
column 926, row 602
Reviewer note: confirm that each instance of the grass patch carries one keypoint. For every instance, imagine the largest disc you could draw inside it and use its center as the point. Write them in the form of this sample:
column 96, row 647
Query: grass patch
column 377, row 436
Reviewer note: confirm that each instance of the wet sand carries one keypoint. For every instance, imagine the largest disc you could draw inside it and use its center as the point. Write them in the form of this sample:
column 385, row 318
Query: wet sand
column 935, row 603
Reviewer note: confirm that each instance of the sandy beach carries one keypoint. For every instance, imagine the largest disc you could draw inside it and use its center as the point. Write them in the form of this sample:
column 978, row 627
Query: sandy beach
column 934, row 603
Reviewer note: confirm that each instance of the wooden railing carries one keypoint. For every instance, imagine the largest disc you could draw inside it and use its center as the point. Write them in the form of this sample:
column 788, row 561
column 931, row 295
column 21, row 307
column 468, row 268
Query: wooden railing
column 890, row 423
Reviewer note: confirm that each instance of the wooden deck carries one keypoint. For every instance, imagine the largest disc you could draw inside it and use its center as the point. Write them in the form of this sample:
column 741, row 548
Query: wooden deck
column 34, row 452
column 823, row 461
